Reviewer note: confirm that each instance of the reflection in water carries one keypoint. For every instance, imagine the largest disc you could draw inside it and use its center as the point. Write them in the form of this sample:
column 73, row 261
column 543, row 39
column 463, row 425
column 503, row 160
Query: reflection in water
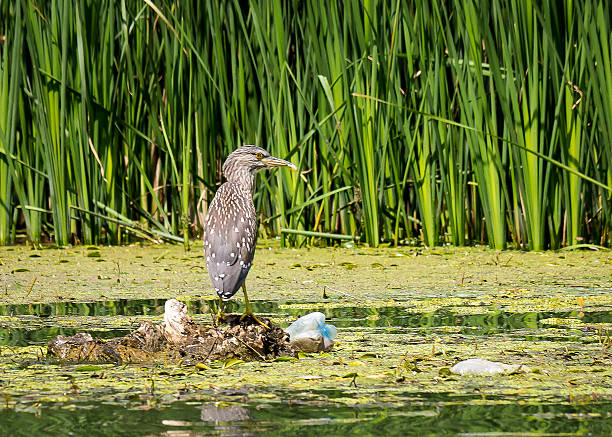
column 396, row 320
column 439, row 414
column 41, row 336
column 215, row 413
column 120, row 307
column 228, row 420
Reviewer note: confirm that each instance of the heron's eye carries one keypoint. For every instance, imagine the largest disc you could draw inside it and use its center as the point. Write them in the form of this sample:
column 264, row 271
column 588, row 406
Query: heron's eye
column 259, row 156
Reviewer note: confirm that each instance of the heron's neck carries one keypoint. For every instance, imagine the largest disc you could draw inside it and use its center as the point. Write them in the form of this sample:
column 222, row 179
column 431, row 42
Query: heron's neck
column 242, row 177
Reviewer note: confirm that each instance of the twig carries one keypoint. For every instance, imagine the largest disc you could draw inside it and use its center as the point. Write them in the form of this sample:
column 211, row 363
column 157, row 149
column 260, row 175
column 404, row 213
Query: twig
column 336, row 290
column 576, row 89
column 213, row 346
column 31, row 286
column 250, row 347
column 118, row 273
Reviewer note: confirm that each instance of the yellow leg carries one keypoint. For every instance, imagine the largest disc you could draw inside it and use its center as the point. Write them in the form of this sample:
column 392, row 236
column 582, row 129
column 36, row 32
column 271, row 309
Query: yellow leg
column 220, row 312
column 248, row 312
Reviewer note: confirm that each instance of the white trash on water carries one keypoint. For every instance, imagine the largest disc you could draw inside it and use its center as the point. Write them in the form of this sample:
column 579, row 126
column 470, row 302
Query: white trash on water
column 478, row 366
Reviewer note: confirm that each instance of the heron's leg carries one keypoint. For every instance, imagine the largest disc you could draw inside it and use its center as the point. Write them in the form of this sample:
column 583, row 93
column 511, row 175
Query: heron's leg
column 220, row 311
column 248, row 312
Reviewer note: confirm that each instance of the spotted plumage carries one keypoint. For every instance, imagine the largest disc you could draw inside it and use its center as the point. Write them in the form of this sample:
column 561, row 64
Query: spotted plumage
column 229, row 243
column 230, row 229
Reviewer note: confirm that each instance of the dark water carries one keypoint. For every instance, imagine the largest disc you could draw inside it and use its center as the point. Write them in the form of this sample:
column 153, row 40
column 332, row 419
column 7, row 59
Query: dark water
column 429, row 415
column 394, row 320
column 121, row 307
column 41, row 336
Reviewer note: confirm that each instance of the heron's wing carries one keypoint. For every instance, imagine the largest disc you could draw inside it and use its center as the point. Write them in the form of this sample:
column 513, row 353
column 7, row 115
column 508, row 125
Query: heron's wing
column 230, row 235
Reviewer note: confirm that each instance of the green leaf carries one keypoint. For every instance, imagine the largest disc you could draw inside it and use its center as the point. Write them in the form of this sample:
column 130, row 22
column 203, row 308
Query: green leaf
column 444, row 371
column 88, row 368
column 369, row 355
column 231, row 362
column 281, row 359
column 201, row 366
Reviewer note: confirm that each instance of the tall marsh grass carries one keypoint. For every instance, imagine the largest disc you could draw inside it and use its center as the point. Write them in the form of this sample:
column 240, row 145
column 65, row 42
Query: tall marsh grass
column 410, row 121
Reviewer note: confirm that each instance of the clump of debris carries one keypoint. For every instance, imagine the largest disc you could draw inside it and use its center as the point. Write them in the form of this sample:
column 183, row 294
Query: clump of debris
column 178, row 337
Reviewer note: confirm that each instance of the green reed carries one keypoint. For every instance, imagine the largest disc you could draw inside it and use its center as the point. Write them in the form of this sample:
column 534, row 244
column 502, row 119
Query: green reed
column 409, row 122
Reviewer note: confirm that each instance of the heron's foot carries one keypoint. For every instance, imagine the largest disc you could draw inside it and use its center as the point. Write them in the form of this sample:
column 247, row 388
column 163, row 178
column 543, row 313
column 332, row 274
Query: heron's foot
column 220, row 313
column 249, row 314
column 219, row 318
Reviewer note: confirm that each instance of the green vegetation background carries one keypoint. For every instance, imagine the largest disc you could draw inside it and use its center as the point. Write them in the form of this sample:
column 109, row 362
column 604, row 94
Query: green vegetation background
column 457, row 122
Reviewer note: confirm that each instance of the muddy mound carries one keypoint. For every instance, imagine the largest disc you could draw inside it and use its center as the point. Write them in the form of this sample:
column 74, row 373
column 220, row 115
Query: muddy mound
column 179, row 338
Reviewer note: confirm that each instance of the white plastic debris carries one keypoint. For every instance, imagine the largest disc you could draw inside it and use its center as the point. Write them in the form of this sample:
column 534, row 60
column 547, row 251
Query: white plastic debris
column 175, row 319
column 310, row 333
column 478, row 366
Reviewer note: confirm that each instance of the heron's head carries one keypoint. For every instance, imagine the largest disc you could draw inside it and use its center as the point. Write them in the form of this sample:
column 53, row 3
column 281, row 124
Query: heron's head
column 249, row 160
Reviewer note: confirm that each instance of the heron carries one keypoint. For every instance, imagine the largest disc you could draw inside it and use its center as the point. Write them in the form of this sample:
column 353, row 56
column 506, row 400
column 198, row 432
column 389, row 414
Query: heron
column 230, row 229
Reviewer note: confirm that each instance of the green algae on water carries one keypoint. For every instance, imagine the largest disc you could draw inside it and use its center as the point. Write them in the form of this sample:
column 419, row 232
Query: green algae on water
column 402, row 320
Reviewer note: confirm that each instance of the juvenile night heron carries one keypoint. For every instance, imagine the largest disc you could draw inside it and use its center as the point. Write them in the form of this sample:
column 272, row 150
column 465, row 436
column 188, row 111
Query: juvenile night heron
column 230, row 231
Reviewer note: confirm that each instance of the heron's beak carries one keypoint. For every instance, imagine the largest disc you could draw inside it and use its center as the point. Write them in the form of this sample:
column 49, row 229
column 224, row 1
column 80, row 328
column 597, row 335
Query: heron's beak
column 277, row 162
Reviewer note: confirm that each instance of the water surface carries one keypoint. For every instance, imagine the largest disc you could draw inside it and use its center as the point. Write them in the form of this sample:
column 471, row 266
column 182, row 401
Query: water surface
column 404, row 317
